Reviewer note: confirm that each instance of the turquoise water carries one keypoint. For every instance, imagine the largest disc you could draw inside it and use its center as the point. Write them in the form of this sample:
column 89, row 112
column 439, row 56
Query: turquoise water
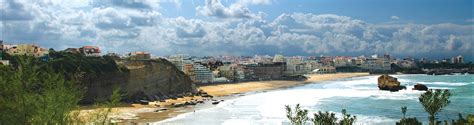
column 360, row 96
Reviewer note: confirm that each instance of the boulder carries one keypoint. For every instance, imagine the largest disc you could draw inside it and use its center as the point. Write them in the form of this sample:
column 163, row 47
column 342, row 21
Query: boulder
column 386, row 82
column 420, row 87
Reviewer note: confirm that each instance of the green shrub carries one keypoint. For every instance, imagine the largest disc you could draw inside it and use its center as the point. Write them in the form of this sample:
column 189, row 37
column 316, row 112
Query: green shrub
column 296, row 116
column 347, row 119
column 407, row 121
column 324, row 118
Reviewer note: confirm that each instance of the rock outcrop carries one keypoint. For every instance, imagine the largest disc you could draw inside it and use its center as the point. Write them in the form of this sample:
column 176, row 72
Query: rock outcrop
column 146, row 80
column 420, row 87
column 386, row 82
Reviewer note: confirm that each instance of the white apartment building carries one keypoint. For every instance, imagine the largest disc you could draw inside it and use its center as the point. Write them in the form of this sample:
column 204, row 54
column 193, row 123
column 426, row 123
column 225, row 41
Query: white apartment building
column 202, row 74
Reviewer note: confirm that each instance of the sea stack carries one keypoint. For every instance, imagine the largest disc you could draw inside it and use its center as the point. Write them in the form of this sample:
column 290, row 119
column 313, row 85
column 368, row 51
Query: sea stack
column 386, row 82
column 420, row 87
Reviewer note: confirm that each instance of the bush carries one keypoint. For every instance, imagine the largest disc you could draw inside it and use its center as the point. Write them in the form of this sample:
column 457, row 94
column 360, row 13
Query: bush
column 461, row 121
column 327, row 118
column 347, row 119
column 407, row 121
column 324, row 118
column 297, row 116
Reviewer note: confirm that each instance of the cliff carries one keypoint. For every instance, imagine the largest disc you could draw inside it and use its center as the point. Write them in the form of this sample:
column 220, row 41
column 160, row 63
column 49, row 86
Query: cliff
column 146, row 79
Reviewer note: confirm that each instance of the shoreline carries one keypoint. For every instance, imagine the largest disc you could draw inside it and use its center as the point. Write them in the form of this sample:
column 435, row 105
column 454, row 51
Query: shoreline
column 136, row 113
column 244, row 87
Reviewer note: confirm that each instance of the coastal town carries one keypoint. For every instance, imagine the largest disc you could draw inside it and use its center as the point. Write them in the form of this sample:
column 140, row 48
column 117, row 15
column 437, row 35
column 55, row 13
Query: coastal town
column 237, row 62
column 229, row 69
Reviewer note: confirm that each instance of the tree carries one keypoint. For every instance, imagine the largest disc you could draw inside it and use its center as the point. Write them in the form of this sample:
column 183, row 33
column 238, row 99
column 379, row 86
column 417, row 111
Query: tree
column 434, row 101
column 32, row 93
column 297, row 116
column 404, row 111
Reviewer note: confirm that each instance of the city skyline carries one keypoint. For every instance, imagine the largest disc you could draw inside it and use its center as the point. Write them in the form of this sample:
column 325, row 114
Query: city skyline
column 433, row 29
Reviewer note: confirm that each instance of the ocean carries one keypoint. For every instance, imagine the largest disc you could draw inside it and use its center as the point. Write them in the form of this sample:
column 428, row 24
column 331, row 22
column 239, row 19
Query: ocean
column 359, row 96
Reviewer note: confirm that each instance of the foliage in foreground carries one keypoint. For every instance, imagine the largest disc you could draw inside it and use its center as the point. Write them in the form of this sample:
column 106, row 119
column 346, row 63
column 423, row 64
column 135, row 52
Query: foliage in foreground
column 298, row 116
column 35, row 94
column 434, row 101
column 102, row 110
column 407, row 121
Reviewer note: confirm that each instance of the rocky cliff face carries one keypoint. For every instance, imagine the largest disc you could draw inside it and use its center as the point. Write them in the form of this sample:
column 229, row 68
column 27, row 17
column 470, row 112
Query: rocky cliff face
column 148, row 80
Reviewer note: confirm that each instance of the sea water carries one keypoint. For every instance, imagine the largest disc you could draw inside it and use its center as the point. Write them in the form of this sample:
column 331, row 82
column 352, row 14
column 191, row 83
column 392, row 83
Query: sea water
column 359, row 96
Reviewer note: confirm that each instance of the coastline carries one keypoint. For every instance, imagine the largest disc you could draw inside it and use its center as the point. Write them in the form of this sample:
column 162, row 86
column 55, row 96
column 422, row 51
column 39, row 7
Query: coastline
column 230, row 89
column 137, row 113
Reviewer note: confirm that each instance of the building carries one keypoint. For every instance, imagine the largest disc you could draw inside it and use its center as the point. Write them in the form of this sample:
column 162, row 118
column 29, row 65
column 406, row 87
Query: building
column 243, row 73
column 72, row 50
column 457, row 59
column 27, row 49
column 344, row 61
column 92, row 51
column 179, row 60
column 279, row 58
column 202, row 73
column 324, row 69
column 406, row 63
column 376, row 64
column 267, row 71
column 139, row 56
column 228, row 71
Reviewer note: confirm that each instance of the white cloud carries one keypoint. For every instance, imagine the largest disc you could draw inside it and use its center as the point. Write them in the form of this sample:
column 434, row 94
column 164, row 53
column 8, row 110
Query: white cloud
column 215, row 8
column 254, row 2
column 394, row 17
column 134, row 4
column 123, row 29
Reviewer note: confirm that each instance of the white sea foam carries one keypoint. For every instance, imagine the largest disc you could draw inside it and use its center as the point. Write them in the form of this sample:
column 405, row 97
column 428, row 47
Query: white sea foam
column 374, row 120
column 445, row 83
column 267, row 107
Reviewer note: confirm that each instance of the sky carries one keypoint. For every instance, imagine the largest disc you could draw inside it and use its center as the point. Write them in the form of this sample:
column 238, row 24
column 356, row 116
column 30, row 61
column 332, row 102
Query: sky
column 404, row 28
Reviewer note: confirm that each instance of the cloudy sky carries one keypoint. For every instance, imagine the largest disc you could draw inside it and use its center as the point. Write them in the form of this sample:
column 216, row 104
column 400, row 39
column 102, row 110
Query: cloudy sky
column 421, row 28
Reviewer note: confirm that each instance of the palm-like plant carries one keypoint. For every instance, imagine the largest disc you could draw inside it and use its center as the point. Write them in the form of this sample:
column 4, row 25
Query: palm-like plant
column 404, row 111
column 434, row 101
column 297, row 116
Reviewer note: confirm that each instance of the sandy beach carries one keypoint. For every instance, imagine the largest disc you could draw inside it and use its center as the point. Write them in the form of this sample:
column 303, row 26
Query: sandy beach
column 229, row 89
column 137, row 113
